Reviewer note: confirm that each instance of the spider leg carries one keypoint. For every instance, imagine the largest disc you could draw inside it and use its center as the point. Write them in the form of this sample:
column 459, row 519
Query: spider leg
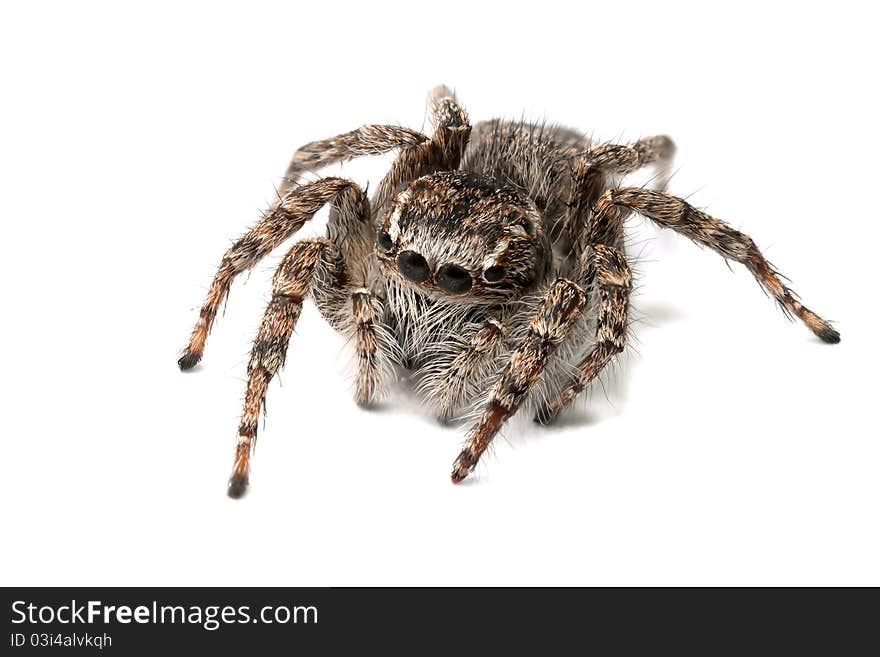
column 672, row 212
column 455, row 373
column 560, row 308
column 578, row 227
column 623, row 159
column 316, row 268
column 592, row 172
column 366, row 140
column 335, row 272
column 442, row 152
column 373, row 344
column 600, row 267
column 293, row 280
column 278, row 224
column 609, row 278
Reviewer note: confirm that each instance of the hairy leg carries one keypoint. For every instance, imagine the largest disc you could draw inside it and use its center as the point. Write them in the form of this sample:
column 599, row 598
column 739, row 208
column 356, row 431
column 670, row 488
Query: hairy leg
column 591, row 173
column 442, row 152
column 626, row 158
column 366, row 140
column 315, row 268
column 608, row 277
column 291, row 284
column 278, row 224
column 579, row 228
column 675, row 213
column 558, row 312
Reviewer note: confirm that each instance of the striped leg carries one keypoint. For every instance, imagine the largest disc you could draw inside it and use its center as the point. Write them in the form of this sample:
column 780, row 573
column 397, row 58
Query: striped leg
column 609, row 278
column 297, row 207
column 671, row 212
column 591, row 172
column 441, row 153
column 558, row 312
column 626, row 158
column 307, row 262
column 366, row 140
column 579, row 229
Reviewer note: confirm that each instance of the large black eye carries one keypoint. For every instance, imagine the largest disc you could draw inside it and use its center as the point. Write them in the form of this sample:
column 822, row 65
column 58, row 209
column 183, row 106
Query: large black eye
column 384, row 241
column 454, row 279
column 413, row 266
column 494, row 274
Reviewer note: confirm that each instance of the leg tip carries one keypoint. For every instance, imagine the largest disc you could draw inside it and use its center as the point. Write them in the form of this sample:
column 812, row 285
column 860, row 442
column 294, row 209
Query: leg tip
column 188, row 361
column 461, row 468
column 666, row 146
column 237, row 487
column 828, row 334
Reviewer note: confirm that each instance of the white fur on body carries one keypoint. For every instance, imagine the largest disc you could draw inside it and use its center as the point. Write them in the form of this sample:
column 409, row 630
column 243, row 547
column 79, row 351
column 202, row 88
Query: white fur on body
column 429, row 335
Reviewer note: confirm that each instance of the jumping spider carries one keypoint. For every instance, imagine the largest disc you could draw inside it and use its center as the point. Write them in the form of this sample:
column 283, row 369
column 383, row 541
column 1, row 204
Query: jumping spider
column 489, row 263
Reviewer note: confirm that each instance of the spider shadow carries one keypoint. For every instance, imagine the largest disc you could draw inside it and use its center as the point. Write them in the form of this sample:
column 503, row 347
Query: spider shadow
column 569, row 418
column 656, row 315
column 523, row 429
column 403, row 398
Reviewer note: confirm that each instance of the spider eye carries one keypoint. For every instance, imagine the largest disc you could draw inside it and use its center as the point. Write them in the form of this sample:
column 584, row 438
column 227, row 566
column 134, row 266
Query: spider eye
column 454, row 279
column 384, row 241
column 494, row 274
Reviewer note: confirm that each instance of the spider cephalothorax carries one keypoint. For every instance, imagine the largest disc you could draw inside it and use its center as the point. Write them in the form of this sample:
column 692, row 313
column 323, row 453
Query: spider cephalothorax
column 465, row 237
column 489, row 263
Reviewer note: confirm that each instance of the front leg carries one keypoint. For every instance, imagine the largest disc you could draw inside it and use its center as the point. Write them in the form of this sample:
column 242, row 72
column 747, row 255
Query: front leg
column 306, row 262
column 297, row 206
column 559, row 310
column 606, row 272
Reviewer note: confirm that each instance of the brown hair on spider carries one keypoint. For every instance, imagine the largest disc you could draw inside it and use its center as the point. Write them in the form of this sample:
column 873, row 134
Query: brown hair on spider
column 465, row 238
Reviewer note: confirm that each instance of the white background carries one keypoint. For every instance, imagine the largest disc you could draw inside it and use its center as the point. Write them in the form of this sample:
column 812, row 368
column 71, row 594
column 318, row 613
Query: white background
column 729, row 447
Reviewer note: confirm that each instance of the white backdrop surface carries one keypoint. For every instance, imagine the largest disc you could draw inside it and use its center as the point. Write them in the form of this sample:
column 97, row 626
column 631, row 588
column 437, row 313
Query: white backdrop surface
column 729, row 446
